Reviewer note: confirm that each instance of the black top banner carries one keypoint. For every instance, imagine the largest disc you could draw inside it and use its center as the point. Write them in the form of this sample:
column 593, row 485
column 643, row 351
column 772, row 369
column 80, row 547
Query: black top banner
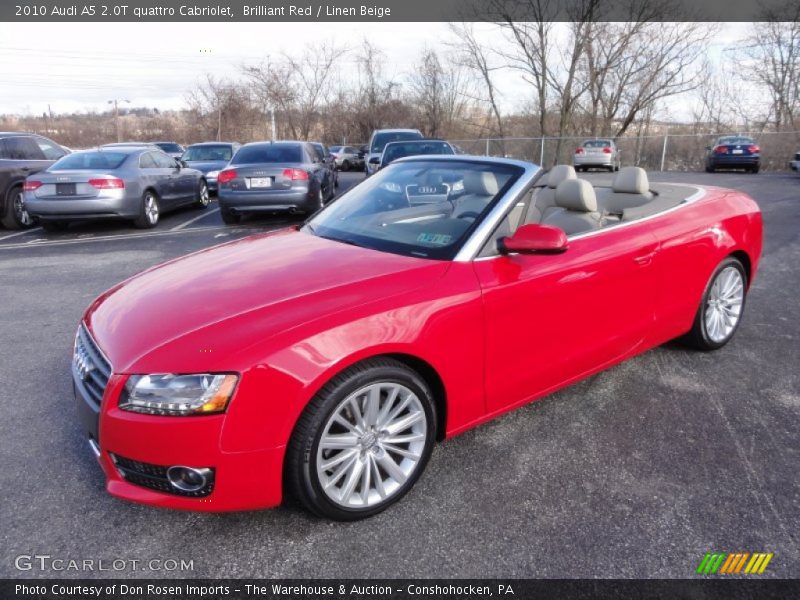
column 397, row 10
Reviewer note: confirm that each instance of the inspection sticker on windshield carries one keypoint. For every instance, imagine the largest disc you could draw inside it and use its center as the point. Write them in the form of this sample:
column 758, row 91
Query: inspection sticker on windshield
column 438, row 239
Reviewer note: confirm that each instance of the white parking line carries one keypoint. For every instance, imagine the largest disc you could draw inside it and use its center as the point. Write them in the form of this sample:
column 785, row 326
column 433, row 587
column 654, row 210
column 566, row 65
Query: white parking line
column 128, row 236
column 23, row 232
column 192, row 220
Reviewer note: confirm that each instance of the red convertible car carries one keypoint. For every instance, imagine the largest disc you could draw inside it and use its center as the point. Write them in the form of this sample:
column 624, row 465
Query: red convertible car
column 324, row 361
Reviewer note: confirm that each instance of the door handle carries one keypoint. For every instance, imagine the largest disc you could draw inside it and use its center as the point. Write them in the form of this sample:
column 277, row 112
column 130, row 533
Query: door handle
column 645, row 259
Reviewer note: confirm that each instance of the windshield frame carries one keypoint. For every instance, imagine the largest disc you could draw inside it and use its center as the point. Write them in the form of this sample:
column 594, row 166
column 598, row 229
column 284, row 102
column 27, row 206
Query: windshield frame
column 521, row 175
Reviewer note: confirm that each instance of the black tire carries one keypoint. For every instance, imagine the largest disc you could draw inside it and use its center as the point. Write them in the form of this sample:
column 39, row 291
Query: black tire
column 15, row 216
column 346, row 165
column 698, row 337
column 710, row 169
column 148, row 219
column 755, row 169
column 54, row 226
column 302, row 480
column 228, row 217
column 203, row 196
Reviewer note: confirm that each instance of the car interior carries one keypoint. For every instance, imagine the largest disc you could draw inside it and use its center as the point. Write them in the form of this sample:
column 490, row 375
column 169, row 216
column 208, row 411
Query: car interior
column 576, row 206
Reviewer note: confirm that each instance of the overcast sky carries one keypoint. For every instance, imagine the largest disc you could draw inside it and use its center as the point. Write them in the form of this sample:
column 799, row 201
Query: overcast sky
column 80, row 66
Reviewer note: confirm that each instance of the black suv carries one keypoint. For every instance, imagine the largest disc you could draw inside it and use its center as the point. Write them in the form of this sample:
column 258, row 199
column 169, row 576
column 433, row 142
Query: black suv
column 21, row 154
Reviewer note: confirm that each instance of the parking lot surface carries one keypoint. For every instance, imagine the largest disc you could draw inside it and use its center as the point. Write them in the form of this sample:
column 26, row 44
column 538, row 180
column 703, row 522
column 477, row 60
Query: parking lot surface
column 635, row 472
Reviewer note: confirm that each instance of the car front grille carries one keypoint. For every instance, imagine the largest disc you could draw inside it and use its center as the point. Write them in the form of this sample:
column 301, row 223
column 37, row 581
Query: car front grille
column 91, row 369
column 153, row 477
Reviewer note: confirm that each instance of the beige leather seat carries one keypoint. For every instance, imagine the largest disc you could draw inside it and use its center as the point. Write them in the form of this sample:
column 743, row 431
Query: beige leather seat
column 544, row 199
column 479, row 187
column 577, row 208
column 629, row 189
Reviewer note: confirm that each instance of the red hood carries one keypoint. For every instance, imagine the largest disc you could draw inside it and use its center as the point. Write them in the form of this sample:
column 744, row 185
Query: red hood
column 257, row 286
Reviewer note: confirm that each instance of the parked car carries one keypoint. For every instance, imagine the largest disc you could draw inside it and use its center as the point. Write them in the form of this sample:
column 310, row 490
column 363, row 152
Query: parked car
column 395, row 150
column 335, row 355
column 210, row 158
column 22, row 154
column 273, row 177
column 146, row 145
column 328, row 159
column 795, row 164
column 119, row 183
column 379, row 139
column 733, row 152
column 173, row 149
column 597, row 154
column 347, row 157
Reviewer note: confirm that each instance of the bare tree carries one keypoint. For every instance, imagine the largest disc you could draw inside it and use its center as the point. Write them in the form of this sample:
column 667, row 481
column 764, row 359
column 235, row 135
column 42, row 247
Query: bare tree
column 438, row 93
column 474, row 55
column 770, row 57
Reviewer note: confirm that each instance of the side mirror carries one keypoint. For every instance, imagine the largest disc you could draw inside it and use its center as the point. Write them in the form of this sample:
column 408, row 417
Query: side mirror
column 375, row 160
column 534, row 239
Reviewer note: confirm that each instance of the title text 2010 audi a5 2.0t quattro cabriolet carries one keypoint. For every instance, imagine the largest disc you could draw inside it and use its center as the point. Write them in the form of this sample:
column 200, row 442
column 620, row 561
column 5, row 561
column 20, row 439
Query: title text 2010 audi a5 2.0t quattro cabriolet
column 324, row 361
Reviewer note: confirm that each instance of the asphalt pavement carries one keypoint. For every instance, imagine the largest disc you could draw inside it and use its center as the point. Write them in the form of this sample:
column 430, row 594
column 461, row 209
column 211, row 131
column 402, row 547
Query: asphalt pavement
column 635, row 472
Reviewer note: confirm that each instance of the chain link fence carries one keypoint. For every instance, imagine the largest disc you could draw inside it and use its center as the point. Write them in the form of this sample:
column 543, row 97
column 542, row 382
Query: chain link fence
column 667, row 152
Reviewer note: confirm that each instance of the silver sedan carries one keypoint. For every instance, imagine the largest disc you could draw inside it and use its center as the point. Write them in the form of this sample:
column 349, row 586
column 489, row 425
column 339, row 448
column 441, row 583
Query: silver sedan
column 597, row 153
column 136, row 183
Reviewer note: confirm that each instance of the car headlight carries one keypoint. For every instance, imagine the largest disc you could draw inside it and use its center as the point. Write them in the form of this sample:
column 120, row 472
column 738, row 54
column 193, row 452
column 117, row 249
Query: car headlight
column 212, row 174
column 180, row 395
column 391, row 186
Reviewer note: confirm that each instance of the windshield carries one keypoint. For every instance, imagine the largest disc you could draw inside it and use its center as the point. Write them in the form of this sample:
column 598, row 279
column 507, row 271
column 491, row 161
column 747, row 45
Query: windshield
column 397, row 150
column 169, row 147
column 79, row 161
column 210, row 153
column 424, row 208
column 335, row 148
column 268, row 153
column 381, row 139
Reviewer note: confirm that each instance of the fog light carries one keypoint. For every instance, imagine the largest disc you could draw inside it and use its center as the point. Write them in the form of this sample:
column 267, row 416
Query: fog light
column 187, row 479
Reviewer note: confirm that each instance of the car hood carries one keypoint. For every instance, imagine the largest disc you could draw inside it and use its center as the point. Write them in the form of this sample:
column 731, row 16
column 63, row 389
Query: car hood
column 207, row 165
column 219, row 300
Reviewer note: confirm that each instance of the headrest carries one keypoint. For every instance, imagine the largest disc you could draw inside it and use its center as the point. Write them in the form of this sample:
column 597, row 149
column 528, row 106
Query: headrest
column 560, row 173
column 576, row 194
column 480, row 183
column 631, row 180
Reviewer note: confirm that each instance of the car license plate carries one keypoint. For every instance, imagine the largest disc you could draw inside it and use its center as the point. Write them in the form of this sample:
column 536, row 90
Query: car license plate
column 737, row 152
column 65, row 189
column 260, row 182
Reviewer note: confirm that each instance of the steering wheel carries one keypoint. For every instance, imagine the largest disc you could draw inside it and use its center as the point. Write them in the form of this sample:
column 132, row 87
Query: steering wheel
column 470, row 214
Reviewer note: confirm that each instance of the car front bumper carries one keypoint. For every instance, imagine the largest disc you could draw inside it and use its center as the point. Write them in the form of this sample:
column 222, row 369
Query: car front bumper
column 242, row 480
column 101, row 207
column 241, row 202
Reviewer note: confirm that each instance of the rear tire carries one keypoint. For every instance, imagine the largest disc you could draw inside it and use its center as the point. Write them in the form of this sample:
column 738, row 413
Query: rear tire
column 755, row 169
column 228, row 217
column 149, row 213
column 721, row 308
column 54, row 226
column 710, row 169
column 16, row 217
column 203, row 196
column 357, row 409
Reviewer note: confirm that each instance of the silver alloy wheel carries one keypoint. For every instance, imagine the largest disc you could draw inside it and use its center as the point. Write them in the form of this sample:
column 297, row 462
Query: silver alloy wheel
column 22, row 215
column 724, row 304
column 203, row 194
column 151, row 208
column 371, row 444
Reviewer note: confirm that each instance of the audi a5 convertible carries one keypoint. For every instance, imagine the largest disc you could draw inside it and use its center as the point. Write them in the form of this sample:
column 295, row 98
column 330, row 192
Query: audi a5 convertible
column 324, row 361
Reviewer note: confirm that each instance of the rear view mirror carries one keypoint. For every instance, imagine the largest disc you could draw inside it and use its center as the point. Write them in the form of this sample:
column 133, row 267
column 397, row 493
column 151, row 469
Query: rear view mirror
column 534, row 239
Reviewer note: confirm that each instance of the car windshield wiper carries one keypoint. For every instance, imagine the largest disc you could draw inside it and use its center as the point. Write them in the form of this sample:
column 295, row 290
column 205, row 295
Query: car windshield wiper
column 342, row 240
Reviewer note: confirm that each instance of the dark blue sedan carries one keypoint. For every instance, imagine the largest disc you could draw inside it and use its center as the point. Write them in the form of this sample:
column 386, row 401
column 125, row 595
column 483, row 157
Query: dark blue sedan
column 733, row 152
column 210, row 158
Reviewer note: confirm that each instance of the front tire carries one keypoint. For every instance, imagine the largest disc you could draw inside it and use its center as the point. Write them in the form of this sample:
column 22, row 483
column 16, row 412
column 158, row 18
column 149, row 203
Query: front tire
column 16, row 217
column 362, row 442
column 722, row 306
column 150, row 211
